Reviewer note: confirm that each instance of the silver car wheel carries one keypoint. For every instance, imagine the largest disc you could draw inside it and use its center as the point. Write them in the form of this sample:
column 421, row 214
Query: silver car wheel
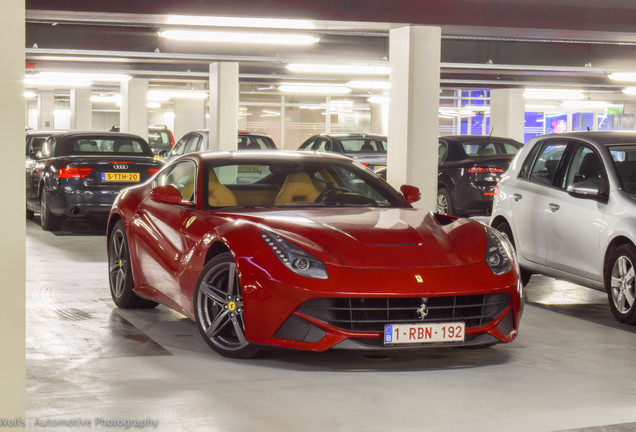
column 118, row 262
column 623, row 285
column 442, row 204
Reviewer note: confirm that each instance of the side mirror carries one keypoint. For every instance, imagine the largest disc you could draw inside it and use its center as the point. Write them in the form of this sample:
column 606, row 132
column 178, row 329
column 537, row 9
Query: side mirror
column 411, row 193
column 586, row 189
column 168, row 194
column 163, row 153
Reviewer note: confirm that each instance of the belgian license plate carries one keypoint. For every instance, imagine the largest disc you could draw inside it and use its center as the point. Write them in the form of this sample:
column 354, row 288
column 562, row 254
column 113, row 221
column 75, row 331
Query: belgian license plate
column 120, row 177
column 377, row 167
column 396, row 334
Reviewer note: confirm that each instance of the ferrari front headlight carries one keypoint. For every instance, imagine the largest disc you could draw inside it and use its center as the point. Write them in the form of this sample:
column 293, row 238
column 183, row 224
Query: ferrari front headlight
column 498, row 252
column 295, row 258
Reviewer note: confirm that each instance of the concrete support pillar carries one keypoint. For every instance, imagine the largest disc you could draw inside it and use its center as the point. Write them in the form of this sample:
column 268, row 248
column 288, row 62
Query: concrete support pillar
column 46, row 106
column 134, row 107
column 413, row 110
column 12, row 229
column 507, row 113
column 377, row 119
column 81, row 109
column 224, row 100
column 189, row 114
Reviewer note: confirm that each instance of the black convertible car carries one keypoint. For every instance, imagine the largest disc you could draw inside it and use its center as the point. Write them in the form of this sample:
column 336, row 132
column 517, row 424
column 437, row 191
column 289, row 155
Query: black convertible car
column 77, row 174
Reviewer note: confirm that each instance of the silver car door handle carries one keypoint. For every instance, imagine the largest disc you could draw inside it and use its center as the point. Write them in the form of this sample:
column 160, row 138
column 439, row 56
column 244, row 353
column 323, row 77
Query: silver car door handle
column 553, row 207
column 517, row 196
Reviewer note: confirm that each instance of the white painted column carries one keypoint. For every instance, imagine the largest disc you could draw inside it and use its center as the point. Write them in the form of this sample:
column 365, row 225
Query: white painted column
column 376, row 118
column 224, row 100
column 413, row 110
column 507, row 113
column 46, row 106
column 13, row 227
column 134, row 107
column 189, row 114
column 81, row 109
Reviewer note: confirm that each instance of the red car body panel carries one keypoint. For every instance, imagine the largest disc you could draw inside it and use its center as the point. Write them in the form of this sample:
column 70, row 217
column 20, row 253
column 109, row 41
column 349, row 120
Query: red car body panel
column 368, row 252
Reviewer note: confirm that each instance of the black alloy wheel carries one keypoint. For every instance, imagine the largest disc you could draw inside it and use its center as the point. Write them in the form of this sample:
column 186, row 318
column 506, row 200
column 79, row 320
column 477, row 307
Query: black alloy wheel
column 504, row 228
column 218, row 307
column 620, row 283
column 120, row 273
column 48, row 220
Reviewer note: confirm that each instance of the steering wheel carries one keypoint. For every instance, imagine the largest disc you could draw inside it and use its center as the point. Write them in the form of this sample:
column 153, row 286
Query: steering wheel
column 326, row 193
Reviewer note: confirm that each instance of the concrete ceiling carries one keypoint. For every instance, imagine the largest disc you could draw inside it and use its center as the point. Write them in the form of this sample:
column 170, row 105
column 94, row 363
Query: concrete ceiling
column 513, row 43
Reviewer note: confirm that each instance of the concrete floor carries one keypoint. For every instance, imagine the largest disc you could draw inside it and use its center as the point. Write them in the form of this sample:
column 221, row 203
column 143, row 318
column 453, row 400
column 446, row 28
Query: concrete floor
column 91, row 366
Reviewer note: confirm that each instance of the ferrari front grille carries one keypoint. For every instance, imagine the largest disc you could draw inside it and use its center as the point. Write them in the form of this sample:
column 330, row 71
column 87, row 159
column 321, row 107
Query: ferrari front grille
column 371, row 314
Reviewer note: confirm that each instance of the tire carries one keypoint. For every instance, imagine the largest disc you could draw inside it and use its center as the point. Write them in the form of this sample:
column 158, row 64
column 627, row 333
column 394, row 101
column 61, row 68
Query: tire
column 218, row 308
column 503, row 227
column 29, row 214
column 48, row 220
column 120, row 272
column 620, row 283
column 444, row 202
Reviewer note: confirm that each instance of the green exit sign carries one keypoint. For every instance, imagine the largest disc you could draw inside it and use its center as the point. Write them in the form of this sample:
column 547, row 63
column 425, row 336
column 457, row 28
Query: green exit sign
column 614, row 110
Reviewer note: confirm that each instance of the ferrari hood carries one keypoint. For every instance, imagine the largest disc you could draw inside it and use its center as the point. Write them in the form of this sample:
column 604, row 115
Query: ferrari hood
column 375, row 237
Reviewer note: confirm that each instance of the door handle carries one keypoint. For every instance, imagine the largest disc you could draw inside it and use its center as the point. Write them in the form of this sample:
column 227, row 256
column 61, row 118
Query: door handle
column 517, row 196
column 554, row 207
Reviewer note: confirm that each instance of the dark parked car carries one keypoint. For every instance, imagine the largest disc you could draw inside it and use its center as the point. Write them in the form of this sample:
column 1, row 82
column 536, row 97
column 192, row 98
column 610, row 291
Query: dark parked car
column 35, row 139
column 470, row 166
column 78, row 174
column 160, row 138
column 198, row 140
column 368, row 149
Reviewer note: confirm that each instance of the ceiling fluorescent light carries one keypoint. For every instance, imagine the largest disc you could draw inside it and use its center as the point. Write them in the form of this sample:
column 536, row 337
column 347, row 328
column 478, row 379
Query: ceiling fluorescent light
column 342, row 69
column 585, row 104
column 379, row 99
column 165, row 95
column 29, row 95
column 239, row 37
column 99, row 77
column 629, row 90
column 154, row 105
column 374, row 85
column 38, row 81
column 240, row 22
column 554, row 94
column 314, row 88
column 622, row 76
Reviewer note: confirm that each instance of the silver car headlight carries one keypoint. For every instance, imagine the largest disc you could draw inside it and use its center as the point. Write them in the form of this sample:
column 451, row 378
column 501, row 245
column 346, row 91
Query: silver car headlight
column 498, row 252
column 294, row 258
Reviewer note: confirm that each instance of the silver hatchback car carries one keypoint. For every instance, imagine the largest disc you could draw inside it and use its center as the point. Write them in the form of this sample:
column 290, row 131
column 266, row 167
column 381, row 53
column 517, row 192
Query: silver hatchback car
column 568, row 204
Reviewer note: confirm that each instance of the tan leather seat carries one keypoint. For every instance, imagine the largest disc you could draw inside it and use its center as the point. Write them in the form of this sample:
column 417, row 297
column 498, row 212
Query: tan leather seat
column 219, row 195
column 298, row 188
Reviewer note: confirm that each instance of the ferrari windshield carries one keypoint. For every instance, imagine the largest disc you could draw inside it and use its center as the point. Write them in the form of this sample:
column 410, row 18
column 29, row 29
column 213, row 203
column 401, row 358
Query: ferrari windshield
column 296, row 183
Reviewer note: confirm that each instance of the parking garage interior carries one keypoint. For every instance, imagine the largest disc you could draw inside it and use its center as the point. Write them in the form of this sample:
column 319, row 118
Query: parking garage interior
column 79, row 358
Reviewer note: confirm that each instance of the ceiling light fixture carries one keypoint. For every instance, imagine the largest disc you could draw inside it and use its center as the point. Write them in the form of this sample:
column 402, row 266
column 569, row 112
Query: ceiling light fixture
column 166, row 95
column 29, row 95
column 342, row 69
column 239, row 37
column 554, row 94
column 622, row 76
column 314, row 88
column 585, row 104
column 373, row 85
column 240, row 22
column 629, row 91
column 379, row 99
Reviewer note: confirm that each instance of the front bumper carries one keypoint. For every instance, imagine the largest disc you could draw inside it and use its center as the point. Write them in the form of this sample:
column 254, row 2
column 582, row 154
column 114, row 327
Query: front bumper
column 275, row 313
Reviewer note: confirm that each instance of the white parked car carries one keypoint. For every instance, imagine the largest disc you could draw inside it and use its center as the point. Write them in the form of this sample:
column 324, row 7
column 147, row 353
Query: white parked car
column 568, row 204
